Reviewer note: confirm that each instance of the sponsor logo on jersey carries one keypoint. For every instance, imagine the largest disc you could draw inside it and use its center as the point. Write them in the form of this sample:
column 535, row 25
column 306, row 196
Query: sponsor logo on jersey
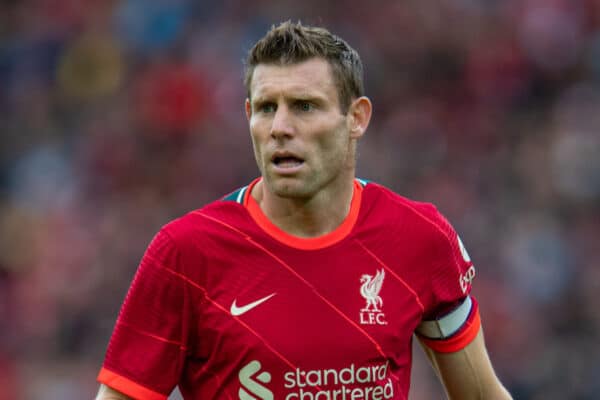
column 251, row 389
column 372, row 313
column 237, row 310
column 369, row 382
column 466, row 279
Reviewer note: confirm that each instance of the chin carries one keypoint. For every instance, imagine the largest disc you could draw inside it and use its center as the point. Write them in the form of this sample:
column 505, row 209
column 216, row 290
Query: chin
column 286, row 188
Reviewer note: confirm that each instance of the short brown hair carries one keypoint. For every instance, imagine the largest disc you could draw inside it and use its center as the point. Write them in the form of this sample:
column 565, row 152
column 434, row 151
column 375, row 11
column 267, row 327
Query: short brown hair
column 291, row 43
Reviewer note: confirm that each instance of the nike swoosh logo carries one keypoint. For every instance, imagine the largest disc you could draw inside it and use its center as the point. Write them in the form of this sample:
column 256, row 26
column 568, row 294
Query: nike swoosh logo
column 237, row 311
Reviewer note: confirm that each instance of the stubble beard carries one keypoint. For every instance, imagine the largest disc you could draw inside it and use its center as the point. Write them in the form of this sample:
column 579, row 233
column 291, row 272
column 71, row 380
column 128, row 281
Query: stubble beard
column 305, row 185
column 297, row 187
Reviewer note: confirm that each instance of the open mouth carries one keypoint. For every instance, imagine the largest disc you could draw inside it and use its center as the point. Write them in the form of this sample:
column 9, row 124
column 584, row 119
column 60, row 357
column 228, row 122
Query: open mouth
column 287, row 161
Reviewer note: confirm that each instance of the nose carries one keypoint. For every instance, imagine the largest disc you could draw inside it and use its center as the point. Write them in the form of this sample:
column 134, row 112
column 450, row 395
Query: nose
column 282, row 125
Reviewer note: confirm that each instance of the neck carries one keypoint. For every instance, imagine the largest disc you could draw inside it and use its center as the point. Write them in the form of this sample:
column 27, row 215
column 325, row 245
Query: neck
column 307, row 217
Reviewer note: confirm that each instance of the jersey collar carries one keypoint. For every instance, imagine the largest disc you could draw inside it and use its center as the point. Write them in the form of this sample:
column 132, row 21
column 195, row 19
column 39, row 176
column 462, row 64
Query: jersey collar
column 315, row 243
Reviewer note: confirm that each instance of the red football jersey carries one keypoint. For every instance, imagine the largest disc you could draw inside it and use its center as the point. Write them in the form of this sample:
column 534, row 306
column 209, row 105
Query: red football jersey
column 226, row 305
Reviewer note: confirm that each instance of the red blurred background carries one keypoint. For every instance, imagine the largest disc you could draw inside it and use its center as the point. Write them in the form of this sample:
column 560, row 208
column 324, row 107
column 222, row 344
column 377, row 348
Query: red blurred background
column 117, row 116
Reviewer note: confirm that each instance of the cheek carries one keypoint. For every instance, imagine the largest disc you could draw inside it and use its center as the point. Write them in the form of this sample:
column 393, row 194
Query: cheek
column 255, row 133
column 334, row 145
column 255, row 143
column 257, row 148
column 259, row 130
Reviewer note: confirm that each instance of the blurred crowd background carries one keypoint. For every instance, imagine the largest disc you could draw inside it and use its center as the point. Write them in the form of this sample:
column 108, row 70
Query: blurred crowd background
column 119, row 115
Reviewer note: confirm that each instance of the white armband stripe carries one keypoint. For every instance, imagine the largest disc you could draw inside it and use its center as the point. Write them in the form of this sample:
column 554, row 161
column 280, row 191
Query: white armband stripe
column 448, row 324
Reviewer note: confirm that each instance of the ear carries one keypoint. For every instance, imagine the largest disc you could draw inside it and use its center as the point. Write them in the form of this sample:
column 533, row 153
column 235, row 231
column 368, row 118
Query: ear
column 359, row 115
column 248, row 109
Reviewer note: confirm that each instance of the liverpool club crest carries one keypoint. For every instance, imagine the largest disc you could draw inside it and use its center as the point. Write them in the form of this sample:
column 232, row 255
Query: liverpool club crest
column 372, row 313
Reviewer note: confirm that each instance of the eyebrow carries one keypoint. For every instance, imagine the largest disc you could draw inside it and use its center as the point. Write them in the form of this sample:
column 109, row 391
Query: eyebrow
column 301, row 96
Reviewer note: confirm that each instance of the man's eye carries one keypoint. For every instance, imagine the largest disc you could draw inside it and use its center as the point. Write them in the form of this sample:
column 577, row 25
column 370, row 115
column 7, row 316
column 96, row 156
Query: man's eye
column 267, row 107
column 304, row 106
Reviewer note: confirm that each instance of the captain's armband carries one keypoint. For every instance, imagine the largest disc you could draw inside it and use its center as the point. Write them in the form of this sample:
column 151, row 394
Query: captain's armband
column 453, row 331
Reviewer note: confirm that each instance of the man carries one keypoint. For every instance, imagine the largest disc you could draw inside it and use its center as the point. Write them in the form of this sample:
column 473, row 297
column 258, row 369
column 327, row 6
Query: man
column 308, row 283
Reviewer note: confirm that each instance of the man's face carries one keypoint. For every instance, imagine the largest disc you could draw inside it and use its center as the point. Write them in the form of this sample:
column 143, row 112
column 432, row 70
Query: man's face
column 302, row 142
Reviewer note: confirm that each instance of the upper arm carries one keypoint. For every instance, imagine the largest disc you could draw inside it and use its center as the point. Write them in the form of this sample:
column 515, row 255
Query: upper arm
column 450, row 331
column 148, row 346
column 108, row 393
column 467, row 373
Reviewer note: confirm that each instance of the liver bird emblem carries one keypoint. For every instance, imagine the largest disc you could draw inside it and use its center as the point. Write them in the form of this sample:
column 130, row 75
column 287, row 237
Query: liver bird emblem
column 370, row 288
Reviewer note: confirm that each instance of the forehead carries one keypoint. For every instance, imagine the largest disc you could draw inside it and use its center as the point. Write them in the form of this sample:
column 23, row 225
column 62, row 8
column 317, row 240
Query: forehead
column 310, row 77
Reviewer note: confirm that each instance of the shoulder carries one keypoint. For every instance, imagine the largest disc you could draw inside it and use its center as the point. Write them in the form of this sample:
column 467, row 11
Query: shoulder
column 397, row 209
column 222, row 214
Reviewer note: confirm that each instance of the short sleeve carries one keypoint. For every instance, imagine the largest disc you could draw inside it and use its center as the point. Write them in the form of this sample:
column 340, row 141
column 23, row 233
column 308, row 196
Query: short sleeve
column 146, row 352
column 451, row 318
